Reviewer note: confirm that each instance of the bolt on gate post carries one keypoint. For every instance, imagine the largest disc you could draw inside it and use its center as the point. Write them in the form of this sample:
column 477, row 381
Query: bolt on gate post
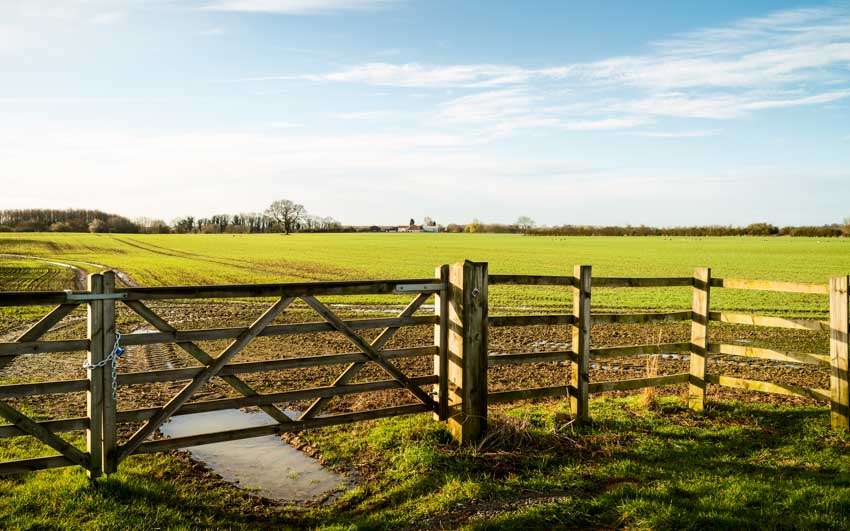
column 466, row 370
column 839, row 344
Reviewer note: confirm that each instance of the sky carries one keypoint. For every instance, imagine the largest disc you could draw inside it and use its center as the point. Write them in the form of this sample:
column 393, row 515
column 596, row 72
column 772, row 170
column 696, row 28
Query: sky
column 375, row 111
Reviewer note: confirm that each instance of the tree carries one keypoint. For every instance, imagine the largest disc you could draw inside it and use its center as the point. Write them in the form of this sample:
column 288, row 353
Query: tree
column 412, row 222
column 286, row 214
column 525, row 222
column 845, row 229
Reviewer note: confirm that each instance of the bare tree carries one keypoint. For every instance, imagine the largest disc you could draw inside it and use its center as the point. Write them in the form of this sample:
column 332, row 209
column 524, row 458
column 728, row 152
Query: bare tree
column 524, row 222
column 286, row 214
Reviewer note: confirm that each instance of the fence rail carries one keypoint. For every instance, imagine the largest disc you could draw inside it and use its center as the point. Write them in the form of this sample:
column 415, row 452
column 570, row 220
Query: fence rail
column 456, row 392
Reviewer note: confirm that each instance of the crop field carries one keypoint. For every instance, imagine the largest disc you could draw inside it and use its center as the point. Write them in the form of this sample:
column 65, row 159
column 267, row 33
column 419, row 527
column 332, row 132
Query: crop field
column 219, row 259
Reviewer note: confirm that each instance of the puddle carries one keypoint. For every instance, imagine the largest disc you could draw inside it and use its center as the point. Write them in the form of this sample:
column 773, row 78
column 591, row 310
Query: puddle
column 266, row 465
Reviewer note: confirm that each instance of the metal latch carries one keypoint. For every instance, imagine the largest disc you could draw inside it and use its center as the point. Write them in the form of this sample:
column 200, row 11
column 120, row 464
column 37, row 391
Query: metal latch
column 418, row 288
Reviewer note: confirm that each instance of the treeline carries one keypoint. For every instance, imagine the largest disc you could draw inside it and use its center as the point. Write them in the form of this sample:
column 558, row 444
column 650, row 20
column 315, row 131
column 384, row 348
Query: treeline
column 70, row 220
column 755, row 229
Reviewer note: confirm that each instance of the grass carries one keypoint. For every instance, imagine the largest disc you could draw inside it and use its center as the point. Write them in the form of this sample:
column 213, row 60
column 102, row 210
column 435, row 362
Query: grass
column 207, row 259
column 737, row 466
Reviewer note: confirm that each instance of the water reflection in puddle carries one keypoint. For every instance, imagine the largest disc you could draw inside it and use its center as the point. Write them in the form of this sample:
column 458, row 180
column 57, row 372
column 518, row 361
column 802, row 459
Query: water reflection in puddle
column 266, row 465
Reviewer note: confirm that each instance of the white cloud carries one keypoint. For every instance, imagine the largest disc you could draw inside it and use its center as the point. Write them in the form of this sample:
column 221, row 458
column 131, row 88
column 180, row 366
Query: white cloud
column 365, row 115
column 697, row 133
column 299, row 7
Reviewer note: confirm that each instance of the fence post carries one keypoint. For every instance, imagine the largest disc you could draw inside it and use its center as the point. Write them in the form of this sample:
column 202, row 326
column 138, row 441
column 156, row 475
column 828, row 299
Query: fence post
column 110, row 463
column 467, row 351
column 94, row 396
column 441, row 341
column 838, row 352
column 581, row 343
column 699, row 338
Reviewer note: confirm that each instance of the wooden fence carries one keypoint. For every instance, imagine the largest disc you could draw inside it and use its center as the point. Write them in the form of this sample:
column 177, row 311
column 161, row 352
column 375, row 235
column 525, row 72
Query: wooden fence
column 459, row 392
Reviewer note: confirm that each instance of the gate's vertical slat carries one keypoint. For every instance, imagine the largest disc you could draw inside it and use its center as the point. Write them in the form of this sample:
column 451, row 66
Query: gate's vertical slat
column 94, row 396
column 839, row 338
column 441, row 340
column 581, row 343
column 699, row 338
column 467, row 351
column 110, row 464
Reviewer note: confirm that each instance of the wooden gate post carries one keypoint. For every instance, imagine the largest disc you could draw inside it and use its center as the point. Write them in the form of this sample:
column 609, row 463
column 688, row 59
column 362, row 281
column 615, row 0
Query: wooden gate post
column 467, row 351
column 94, row 396
column 110, row 464
column 441, row 341
column 839, row 344
column 699, row 338
column 580, row 380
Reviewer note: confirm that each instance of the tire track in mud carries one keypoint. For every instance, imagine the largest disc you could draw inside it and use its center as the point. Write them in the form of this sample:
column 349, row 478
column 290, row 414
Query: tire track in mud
column 80, row 274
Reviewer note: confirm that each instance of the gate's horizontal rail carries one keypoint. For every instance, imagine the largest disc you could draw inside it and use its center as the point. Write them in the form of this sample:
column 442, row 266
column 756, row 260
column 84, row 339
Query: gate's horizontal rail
column 770, row 285
column 500, row 397
column 530, row 320
column 171, row 375
column 276, row 429
column 638, row 383
column 769, row 387
column 211, row 334
column 605, row 318
column 768, row 354
column 773, row 322
column 636, row 350
column 137, row 415
column 56, row 426
column 521, row 358
column 43, row 388
column 43, row 347
column 37, row 463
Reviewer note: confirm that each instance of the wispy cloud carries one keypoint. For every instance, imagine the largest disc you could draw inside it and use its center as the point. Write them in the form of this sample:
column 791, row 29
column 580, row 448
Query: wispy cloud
column 365, row 115
column 299, row 7
column 697, row 133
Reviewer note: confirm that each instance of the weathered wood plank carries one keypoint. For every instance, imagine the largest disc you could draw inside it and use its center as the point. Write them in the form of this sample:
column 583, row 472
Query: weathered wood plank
column 530, row 320
column 441, row 343
column 582, row 319
column 522, row 358
column 56, row 426
column 212, row 334
column 637, row 350
column 839, row 353
column 775, row 322
column 35, row 298
column 108, row 432
column 530, row 280
column 37, row 463
column 187, row 373
column 201, row 379
column 40, row 347
column 646, row 282
column 43, row 388
column 293, row 289
column 700, row 311
column 769, row 387
column 639, row 383
column 276, row 429
column 501, row 397
column 605, row 318
column 95, row 391
column 768, row 354
column 330, row 391
column 354, row 368
column 770, row 285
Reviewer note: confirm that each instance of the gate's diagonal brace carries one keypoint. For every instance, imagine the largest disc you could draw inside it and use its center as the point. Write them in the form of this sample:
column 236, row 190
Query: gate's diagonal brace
column 41, row 327
column 199, row 354
column 71, row 452
column 354, row 368
column 369, row 351
column 202, row 378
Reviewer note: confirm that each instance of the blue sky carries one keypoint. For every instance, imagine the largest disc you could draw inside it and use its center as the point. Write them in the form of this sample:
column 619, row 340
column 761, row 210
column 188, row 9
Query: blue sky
column 375, row 111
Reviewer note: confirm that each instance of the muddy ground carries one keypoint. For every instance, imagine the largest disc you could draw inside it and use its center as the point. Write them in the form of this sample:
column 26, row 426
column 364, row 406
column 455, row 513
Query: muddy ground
column 195, row 315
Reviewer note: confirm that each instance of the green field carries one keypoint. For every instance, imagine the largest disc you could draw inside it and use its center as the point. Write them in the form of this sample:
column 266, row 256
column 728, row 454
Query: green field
column 209, row 259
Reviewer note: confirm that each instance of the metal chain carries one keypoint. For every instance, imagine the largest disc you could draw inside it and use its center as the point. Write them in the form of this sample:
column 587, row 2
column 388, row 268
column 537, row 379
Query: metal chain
column 113, row 356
